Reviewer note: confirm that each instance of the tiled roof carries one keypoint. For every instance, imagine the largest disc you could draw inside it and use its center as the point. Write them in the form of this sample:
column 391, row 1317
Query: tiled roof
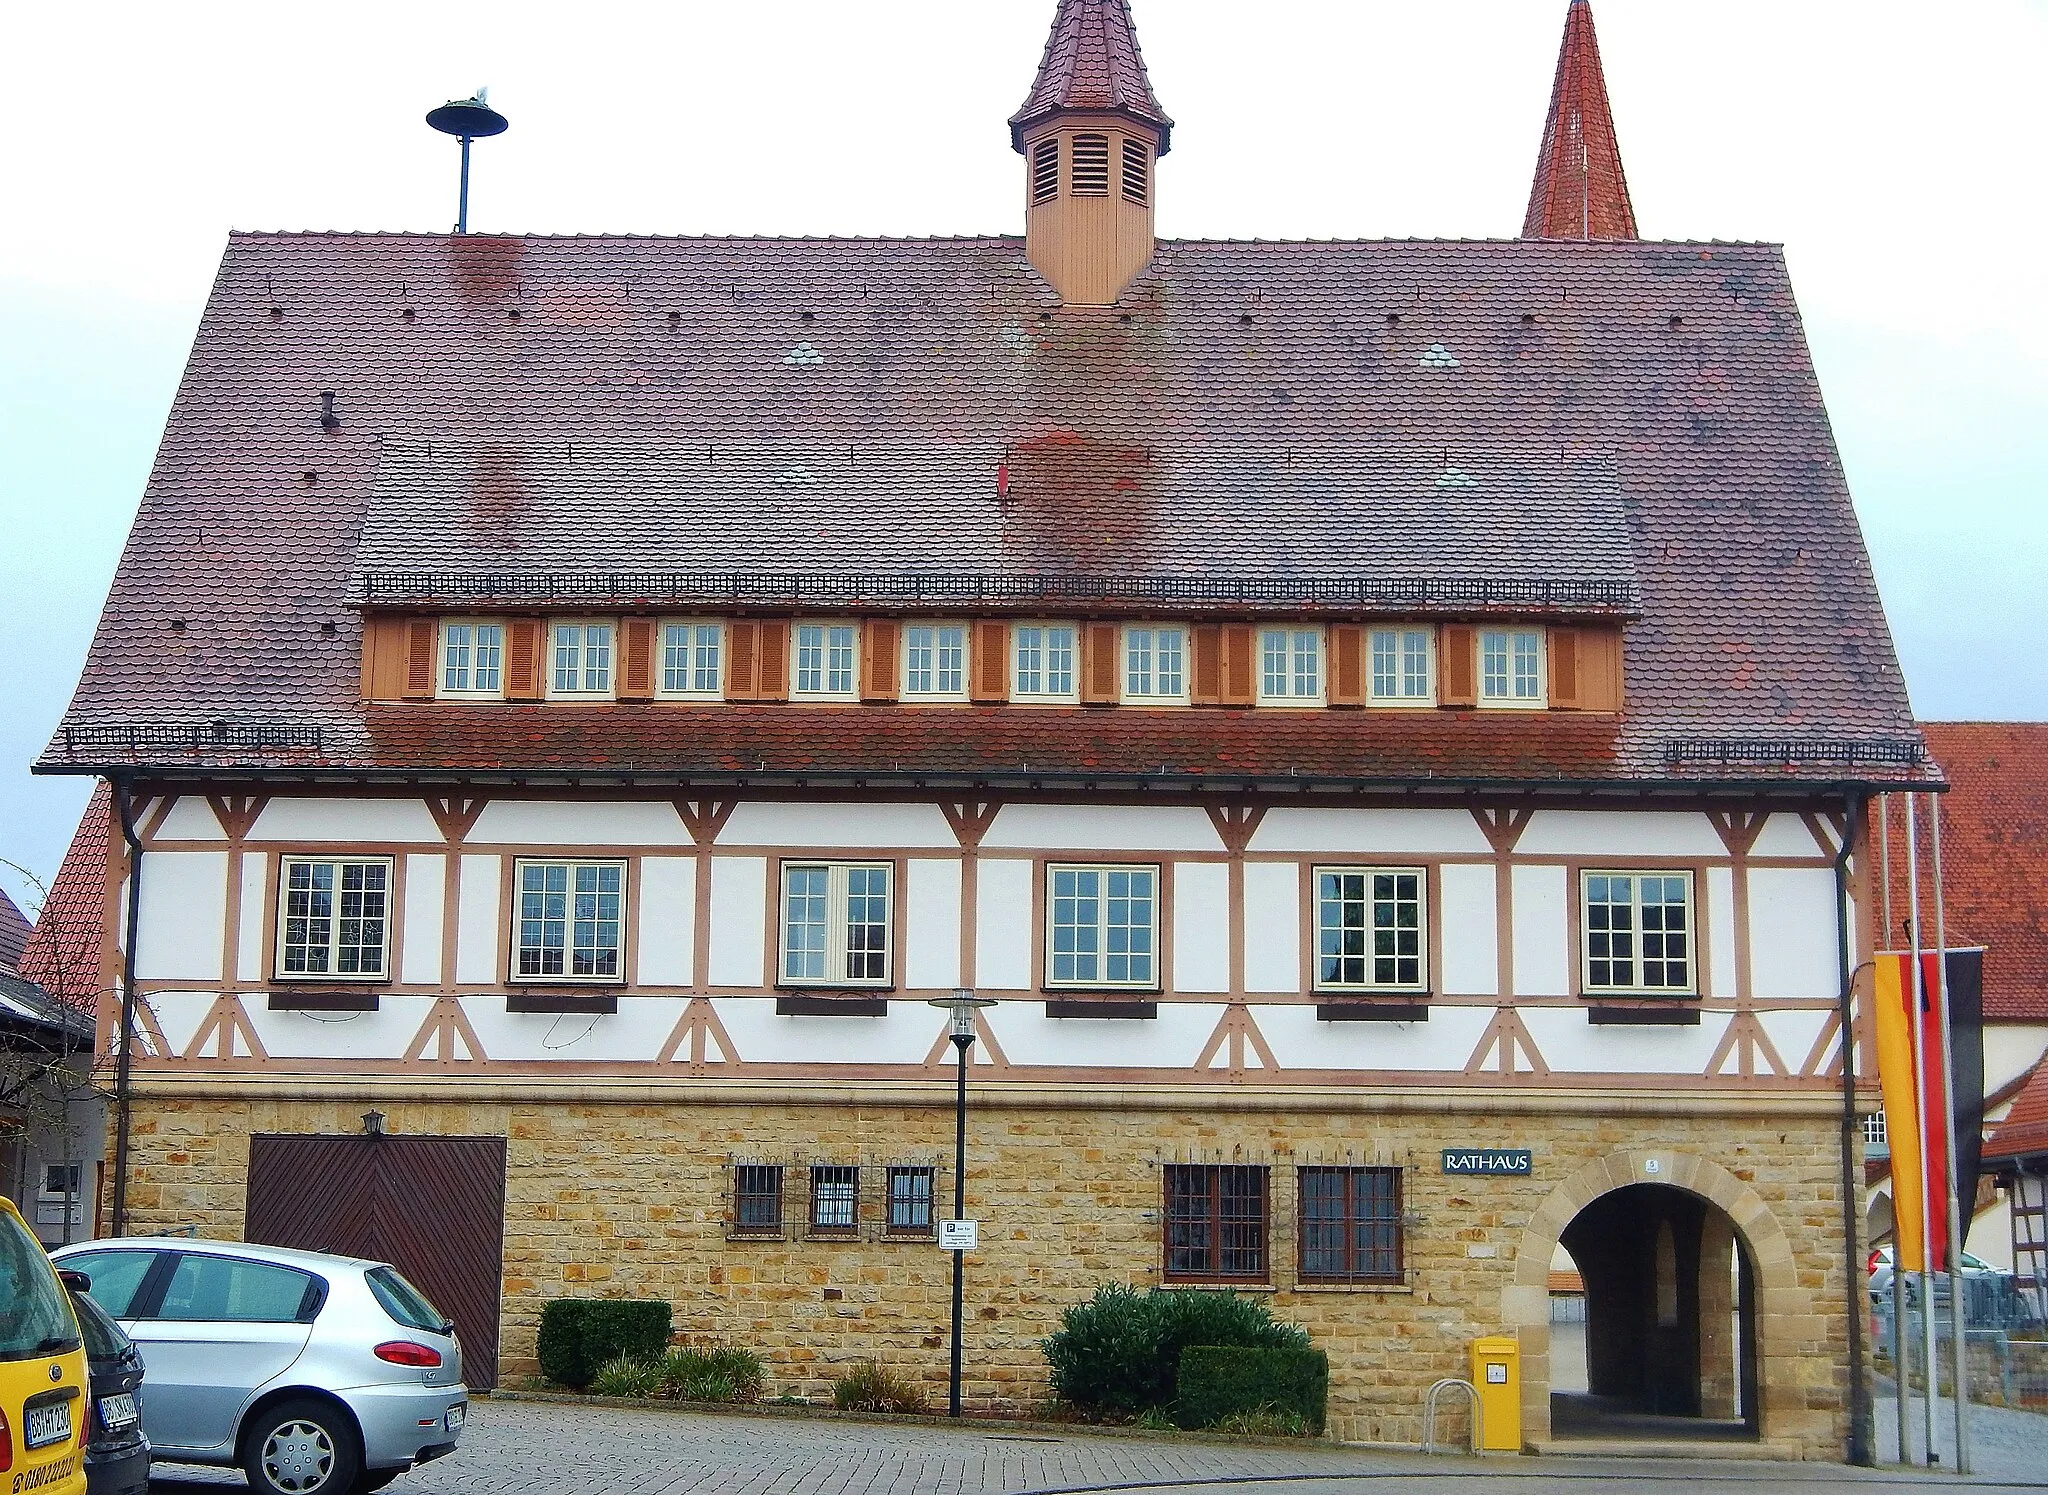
column 14, row 928
column 27, row 1011
column 2024, row 1132
column 1580, row 191
column 1547, row 410
column 63, row 954
column 1092, row 63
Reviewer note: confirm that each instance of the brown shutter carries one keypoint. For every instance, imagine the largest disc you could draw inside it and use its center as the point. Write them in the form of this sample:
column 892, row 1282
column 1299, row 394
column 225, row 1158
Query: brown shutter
column 878, row 660
column 1599, row 669
column 772, row 684
column 742, row 661
column 636, row 659
column 419, row 658
column 991, row 672
column 1099, row 665
column 525, row 675
column 1458, row 666
column 1347, row 665
column 384, row 659
column 1240, row 668
column 1205, row 678
column 1565, row 693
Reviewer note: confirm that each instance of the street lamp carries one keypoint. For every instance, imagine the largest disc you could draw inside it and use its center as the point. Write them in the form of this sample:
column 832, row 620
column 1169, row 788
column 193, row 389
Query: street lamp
column 963, row 1004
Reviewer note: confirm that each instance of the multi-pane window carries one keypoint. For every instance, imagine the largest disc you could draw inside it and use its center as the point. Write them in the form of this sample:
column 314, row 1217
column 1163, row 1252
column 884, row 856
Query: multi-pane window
column 1638, row 931
column 1874, row 1134
column 1511, row 666
column 835, row 1199
column 472, row 659
column 1215, row 1223
column 910, row 1200
column 570, row 921
column 757, row 1198
column 835, row 924
column 1155, row 664
column 1044, row 660
column 691, row 655
column 1369, row 929
column 334, row 917
column 1400, row 665
column 935, row 660
column 1290, row 664
column 583, row 659
column 1102, row 926
column 824, row 659
column 1350, row 1224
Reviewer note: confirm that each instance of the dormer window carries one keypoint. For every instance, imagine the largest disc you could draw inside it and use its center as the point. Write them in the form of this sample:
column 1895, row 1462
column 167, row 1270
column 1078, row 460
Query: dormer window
column 935, row 662
column 825, row 661
column 472, row 659
column 1291, row 665
column 1155, row 665
column 582, row 660
column 1045, row 171
column 1043, row 656
column 1400, row 667
column 1091, row 166
column 1137, row 172
column 691, row 659
column 1511, row 667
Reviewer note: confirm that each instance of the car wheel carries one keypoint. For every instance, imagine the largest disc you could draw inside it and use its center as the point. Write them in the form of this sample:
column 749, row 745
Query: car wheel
column 303, row 1447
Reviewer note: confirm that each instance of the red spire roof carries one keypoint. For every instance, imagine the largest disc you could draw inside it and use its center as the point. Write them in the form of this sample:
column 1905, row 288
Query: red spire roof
column 1092, row 64
column 63, row 952
column 1580, row 191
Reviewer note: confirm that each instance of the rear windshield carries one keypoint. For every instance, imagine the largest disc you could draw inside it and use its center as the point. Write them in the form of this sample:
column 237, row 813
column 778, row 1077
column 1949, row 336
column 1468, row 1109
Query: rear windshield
column 104, row 1339
column 35, row 1318
column 405, row 1303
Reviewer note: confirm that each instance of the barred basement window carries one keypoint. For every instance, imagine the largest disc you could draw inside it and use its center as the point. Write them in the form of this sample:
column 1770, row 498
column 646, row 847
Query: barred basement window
column 472, row 659
column 1091, row 166
column 757, row 1198
column 570, row 921
column 1137, row 171
column 334, row 917
column 1045, row 171
column 1369, row 924
column 1638, row 932
column 835, row 1200
column 1350, row 1224
column 1215, row 1223
column 835, row 924
column 910, row 1201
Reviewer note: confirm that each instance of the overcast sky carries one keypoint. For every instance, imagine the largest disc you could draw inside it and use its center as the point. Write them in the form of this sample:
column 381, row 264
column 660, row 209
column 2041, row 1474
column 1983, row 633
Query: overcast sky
column 1898, row 149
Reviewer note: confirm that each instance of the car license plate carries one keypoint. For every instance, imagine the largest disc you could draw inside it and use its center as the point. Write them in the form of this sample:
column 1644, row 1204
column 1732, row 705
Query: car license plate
column 117, row 1411
column 456, row 1417
column 47, row 1425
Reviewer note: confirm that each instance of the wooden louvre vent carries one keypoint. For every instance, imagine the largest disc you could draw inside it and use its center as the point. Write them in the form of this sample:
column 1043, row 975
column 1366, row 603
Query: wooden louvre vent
column 419, row 659
column 1091, row 166
column 1045, row 170
column 525, row 678
column 636, row 659
column 1137, row 172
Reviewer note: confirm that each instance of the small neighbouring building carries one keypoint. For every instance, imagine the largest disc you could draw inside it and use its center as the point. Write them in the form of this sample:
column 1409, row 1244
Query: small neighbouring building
column 1352, row 704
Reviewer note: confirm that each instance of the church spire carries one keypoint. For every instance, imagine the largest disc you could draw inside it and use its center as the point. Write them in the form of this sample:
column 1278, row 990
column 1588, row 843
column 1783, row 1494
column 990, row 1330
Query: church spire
column 1092, row 65
column 1580, row 191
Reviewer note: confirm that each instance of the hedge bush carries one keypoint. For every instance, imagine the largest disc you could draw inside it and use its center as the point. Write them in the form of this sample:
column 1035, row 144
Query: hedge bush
column 580, row 1335
column 1118, row 1354
column 1219, row 1382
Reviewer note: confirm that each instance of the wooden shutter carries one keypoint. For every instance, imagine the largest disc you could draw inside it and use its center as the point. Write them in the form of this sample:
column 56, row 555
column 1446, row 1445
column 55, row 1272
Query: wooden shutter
column 878, row 660
column 1347, row 665
column 1458, row 666
column 419, row 658
column 742, row 661
column 772, row 683
column 1205, row 677
column 1563, row 649
column 525, row 643
column 1599, row 669
column 1099, row 665
column 636, row 659
column 991, row 670
column 384, row 659
column 1240, row 665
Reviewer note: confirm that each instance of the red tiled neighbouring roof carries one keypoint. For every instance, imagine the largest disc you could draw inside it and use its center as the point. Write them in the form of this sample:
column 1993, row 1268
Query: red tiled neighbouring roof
column 2024, row 1132
column 1092, row 65
column 63, row 954
column 1581, row 191
column 14, row 929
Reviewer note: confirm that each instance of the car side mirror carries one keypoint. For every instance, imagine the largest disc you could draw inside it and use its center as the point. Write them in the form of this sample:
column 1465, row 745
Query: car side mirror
column 76, row 1282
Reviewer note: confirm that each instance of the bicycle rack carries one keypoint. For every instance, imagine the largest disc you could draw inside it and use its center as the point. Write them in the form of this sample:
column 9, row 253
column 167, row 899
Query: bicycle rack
column 1429, row 1412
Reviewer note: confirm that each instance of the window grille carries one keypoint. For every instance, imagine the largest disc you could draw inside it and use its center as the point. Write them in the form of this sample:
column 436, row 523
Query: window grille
column 1045, row 171
column 835, row 1200
column 757, row 1199
column 1091, row 166
column 910, row 1200
column 1137, row 172
column 1350, row 1224
column 1215, row 1223
column 1874, row 1134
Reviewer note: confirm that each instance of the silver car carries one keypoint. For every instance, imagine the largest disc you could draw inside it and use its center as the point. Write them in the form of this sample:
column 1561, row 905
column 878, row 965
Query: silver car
column 318, row 1375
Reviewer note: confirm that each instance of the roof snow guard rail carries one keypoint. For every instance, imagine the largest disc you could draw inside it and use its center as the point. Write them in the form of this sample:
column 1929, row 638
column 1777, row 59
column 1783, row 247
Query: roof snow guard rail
column 1905, row 752
column 917, row 589
column 193, row 737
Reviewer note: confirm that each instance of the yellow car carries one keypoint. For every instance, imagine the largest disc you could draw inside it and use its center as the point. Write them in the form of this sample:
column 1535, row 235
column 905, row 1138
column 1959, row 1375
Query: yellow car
column 45, row 1408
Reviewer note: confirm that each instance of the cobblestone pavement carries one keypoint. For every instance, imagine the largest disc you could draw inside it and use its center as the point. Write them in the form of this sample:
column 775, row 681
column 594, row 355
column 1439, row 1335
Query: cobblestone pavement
column 528, row 1448
column 2004, row 1443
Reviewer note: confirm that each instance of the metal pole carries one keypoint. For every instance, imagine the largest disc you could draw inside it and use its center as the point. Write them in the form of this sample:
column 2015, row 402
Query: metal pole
column 124, row 1085
column 1958, row 1311
column 1861, row 1439
column 462, row 202
column 961, row 1043
column 1901, row 1341
column 1913, row 1027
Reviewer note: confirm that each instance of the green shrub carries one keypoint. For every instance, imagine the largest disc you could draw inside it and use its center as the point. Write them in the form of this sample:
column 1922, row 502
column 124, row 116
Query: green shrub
column 578, row 1335
column 622, row 1375
column 1272, row 1388
column 719, row 1375
column 1118, row 1354
column 870, row 1388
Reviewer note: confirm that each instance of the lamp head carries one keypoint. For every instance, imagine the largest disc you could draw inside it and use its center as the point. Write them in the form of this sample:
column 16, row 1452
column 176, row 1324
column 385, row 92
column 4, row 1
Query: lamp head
column 373, row 1123
column 963, row 1004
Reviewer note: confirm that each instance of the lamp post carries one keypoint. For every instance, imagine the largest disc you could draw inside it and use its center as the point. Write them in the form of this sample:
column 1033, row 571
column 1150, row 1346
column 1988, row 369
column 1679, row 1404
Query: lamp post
column 963, row 1004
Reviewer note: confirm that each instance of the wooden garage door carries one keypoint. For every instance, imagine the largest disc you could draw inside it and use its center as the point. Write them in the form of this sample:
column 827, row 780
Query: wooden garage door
column 434, row 1207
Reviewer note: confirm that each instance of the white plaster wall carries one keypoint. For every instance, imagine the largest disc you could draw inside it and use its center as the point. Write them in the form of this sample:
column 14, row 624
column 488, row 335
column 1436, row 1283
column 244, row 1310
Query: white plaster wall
column 323, row 822
column 780, row 823
column 1471, row 932
column 1299, row 1041
column 635, row 1033
column 1989, row 1237
column 384, row 1034
column 183, row 916
column 1793, row 1034
column 1786, row 835
column 479, row 930
column 1717, row 915
column 1793, row 942
column 932, row 925
column 1572, row 1045
column 1371, row 832
column 1003, row 926
column 1132, row 828
column 739, row 920
column 2010, row 1050
column 1201, row 927
column 191, row 818
column 419, row 960
column 1542, row 934
column 764, row 1036
column 178, row 1013
column 1272, row 928
column 668, row 921
column 1620, row 833
column 254, row 916
column 1173, row 1040
column 581, row 823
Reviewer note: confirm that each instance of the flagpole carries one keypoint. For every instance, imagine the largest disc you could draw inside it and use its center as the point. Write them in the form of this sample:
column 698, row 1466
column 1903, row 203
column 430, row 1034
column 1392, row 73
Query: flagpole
column 1958, row 1312
column 1900, row 1348
column 1915, row 1031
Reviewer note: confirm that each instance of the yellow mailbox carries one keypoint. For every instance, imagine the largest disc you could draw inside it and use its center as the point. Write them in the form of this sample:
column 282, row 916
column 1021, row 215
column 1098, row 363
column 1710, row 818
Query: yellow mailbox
column 1497, row 1375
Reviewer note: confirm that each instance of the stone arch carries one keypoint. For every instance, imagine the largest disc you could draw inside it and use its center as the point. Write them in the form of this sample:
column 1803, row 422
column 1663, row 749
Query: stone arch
column 1525, row 1303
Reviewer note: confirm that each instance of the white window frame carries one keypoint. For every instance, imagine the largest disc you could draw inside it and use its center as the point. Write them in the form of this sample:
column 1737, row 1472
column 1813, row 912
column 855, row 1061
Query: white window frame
column 1126, row 672
column 567, row 976
column 796, row 655
column 716, row 691
column 441, row 646
column 284, row 892
column 1422, row 914
column 936, row 627
column 1587, row 933
column 1017, row 691
column 1102, row 981
column 1402, row 637
column 579, row 692
column 838, row 877
column 1294, row 632
column 1512, row 702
